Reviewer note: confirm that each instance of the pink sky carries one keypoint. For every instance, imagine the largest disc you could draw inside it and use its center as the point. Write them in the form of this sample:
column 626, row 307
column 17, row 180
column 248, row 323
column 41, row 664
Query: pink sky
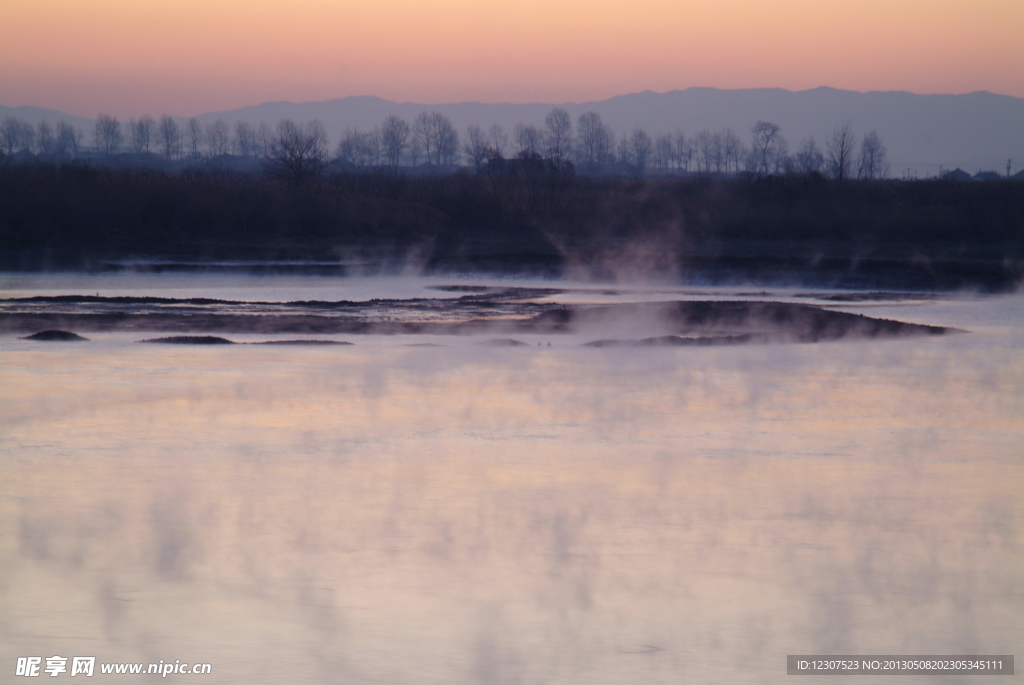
column 186, row 57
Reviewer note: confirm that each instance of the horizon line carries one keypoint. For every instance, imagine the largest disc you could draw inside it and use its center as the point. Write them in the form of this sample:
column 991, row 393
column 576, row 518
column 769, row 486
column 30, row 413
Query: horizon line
column 539, row 103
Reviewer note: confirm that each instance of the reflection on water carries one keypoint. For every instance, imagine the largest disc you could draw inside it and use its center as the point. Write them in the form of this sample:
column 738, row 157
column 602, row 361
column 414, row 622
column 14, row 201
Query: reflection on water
column 387, row 514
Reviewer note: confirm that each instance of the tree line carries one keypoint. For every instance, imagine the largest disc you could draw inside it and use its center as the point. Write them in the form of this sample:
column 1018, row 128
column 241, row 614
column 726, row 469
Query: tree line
column 522, row 216
column 301, row 150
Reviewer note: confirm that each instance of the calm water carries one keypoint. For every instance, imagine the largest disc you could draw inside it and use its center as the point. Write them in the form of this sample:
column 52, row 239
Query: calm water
column 382, row 513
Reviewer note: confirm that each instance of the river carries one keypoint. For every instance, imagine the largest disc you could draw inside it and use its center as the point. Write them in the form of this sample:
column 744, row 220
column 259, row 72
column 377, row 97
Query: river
column 395, row 512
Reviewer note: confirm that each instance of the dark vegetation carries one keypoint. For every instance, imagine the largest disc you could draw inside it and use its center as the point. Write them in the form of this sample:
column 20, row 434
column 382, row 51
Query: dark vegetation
column 191, row 340
column 55, row 336
column 526, row 216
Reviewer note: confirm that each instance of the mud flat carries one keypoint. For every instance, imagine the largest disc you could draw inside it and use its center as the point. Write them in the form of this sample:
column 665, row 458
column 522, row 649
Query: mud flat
column 647, row 324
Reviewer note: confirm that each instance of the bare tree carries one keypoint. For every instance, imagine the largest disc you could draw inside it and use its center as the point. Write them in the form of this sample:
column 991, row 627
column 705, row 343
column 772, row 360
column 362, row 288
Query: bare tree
column 751, row 163
column 17, row 136
column 134, row 136
column 809, row 159
column 108, row 136
column 28, row 137
column 705, row 145
column 264, row 140
column 623, row 151
column 781, row 161
column 447, row 140
column 589, row 134
column 640, row 145
column 374, row 147
column 359, row 149
column 349, row 152
column 497, row 141
column 145, row 127
column 664, row 151
column 245, row 139
column 10, row 135
column 839, row 152
column 194, row 137
column 44, row 138
column 684, row 151
column 69, row 139
column 718, row 152
column 476, row 146
column 733, row 151
column 415, row 150
column 437, row 137
column 766, row 144
column 872, row 157
column 529, row 141
column 423, row 133
column 298, row 153
column 558, row 133
column 394, row 134
column 141, row 133
column 168, row 135
column 595, row 141
column 218, row 138
column 606, row 145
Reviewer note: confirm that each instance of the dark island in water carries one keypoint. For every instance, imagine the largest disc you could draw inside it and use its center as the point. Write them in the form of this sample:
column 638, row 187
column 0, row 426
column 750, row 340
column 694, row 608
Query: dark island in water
column 508, row 312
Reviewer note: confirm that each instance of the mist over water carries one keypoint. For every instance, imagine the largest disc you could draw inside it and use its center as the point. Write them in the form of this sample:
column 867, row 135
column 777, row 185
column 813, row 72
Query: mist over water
column 381, row 513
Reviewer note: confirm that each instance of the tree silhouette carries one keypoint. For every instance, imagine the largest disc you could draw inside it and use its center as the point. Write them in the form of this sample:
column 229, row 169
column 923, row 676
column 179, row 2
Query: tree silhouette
column 839, row 152
column 68, row 140
column 169, row 136
column 194, row 137
column 45, row 140
column 640, row 145
column 423, row 135
column 245, row 139
column 497, row 141
column 141, row 132
column 872, row 157
column 664, row 151
column 394, row 134
column 809, row 159
column 359, row 149
column 594, row 140
column 436, row 136
column 218, row 138
column 558, row 133
column 447, row 140
column 476, row 147
column 19, row 136
column 529, row 140
column 768, row 147
column 705, row 148
column 684, row 150
column 733, row 150
column 297, row 153
column 108, row 136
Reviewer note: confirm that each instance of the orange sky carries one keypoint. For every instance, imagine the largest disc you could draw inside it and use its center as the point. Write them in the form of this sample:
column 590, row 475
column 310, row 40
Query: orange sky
column 191, row 56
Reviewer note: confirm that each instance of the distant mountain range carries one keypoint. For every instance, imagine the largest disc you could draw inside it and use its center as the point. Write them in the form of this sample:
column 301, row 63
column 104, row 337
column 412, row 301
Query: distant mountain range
column 975, row 131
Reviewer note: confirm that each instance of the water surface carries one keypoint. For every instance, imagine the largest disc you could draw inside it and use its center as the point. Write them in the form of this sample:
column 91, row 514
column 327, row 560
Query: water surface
column 381, row 513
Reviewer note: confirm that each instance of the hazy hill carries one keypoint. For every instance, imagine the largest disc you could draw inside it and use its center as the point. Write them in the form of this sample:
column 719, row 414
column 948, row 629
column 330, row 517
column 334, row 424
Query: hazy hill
column 975, row 131
column 52, row 116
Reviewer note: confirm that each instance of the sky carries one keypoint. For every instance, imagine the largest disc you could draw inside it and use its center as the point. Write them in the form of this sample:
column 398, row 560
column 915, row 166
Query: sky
column 186, row 57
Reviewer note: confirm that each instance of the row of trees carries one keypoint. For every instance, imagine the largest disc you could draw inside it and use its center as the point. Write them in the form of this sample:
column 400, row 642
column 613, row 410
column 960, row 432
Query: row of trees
column 173, row 140
column 593, row 143
column 432, row 138
column 63, row 140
